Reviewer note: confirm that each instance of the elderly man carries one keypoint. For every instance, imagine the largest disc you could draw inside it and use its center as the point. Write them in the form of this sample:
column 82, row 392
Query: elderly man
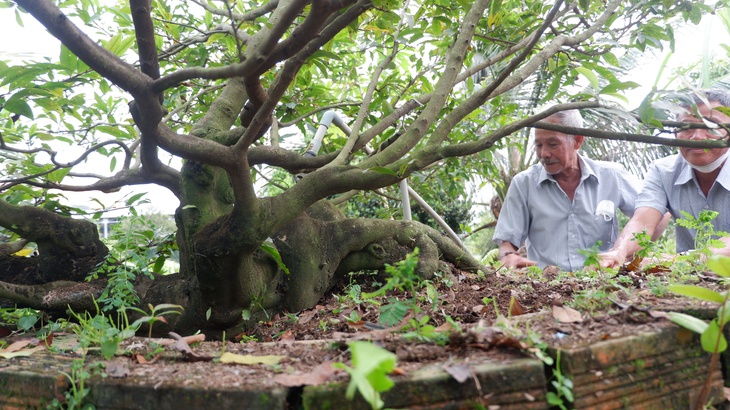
column 564, row 204
column 697, row 179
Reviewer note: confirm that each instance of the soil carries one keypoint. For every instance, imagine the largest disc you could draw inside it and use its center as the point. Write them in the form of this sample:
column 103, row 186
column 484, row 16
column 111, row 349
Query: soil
column 497, row 316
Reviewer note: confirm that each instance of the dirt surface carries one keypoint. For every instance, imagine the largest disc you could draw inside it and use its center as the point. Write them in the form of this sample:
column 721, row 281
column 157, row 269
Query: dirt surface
column 496, row 317
column 501, row 317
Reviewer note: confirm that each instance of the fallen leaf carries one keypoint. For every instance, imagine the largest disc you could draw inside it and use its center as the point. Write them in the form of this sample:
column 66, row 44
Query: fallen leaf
column 20, row 353
column 306, row 316
column 249, row 359
column 445, row 327
column 658, row 314
column 15, row 346
column 478, row 308
column 319, row 375
column 515, row 307
column 460, row 373
column 475, row 287
column 287, row 336
column 566, row 314
column 117, row 370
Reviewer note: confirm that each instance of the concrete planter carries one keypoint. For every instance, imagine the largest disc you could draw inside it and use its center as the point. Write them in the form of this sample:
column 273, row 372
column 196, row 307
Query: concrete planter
column 665, row 369
column 662, row 369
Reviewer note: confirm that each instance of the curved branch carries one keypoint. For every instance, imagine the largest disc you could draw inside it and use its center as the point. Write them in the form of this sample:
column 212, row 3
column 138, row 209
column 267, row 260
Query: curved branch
column 98, row 58
column 145, row 33
column 624, row 136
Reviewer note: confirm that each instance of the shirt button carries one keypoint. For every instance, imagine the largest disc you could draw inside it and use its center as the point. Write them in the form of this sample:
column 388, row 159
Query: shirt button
column 572, row 236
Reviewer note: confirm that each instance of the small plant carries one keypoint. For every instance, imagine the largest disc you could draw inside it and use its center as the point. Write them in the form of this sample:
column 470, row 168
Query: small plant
column 563, row 387
column 712, row 337
column 78, row 375
column 704, row 232
column 424, row 332
column 156, row 314
column 591, row 254
column 368, row 375
column 24, row 319
column 647, row 247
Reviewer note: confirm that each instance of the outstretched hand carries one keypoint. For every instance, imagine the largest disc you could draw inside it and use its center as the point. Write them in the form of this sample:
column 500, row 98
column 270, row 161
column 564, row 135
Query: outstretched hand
column 515, row 260
column 611, row 259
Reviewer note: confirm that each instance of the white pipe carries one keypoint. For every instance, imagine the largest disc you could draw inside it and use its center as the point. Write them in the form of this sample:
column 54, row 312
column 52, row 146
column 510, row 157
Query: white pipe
column 405, row 201
column 437, row 217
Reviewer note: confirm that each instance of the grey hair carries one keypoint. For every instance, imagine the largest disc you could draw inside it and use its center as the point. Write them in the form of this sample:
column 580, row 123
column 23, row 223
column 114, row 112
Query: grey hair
column 569, row 118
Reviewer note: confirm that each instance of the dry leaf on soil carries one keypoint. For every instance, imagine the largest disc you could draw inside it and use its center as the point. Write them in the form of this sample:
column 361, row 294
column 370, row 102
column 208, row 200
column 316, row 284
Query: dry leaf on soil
column 319, row 375
column 249, row 359
column 460, row 373
column 566, row 314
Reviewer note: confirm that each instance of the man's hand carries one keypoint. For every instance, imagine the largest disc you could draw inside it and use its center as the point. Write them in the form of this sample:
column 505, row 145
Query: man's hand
column 612, row 258
column 516, row 260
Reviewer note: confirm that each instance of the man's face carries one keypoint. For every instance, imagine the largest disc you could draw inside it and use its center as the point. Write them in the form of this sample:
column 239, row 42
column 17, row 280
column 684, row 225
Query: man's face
column 557, row 152
column 701, row 156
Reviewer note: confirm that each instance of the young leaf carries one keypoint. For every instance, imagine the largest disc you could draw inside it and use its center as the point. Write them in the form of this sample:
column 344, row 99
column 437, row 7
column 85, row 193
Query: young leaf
column 697, row 292
column 689, row 322
column 271, row 250
column 710, row 336
column 720, row 265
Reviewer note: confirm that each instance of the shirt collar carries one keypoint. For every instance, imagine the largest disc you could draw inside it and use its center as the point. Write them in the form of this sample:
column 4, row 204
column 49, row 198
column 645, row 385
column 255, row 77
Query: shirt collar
column 686, row 174
column 586, row 171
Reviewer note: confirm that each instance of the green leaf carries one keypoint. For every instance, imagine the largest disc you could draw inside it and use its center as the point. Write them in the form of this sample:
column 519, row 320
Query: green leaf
column 109, row 348
column 590, row 75
column 393, row 312
column 371, row 364
column 27, row 322
column 697, row 292
column 134, row 198
column 718, row 263
column 712, row 339
column 690, row 322
column 159, row 263
column 271, row 250
column 18, row 106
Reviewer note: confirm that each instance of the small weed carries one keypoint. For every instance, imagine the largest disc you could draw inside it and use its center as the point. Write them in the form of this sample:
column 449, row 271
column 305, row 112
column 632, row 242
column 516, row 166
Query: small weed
column 591, row 254
column 368, row 375
column 563, row 388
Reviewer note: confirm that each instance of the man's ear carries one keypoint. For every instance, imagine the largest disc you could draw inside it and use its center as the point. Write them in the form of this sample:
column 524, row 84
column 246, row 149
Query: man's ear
column 579, row 141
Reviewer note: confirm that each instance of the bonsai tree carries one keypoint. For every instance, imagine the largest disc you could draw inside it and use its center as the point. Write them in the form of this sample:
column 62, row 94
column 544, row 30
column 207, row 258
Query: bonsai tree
column 142, row 84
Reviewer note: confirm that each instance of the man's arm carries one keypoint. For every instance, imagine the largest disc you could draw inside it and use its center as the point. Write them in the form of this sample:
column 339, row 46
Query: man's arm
column 510, row 256
column 661, row 226
column 645, row 218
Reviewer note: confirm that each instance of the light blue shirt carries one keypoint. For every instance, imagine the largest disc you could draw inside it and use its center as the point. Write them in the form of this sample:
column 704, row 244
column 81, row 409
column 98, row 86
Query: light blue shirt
column 538, row 212
column 671, row 185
